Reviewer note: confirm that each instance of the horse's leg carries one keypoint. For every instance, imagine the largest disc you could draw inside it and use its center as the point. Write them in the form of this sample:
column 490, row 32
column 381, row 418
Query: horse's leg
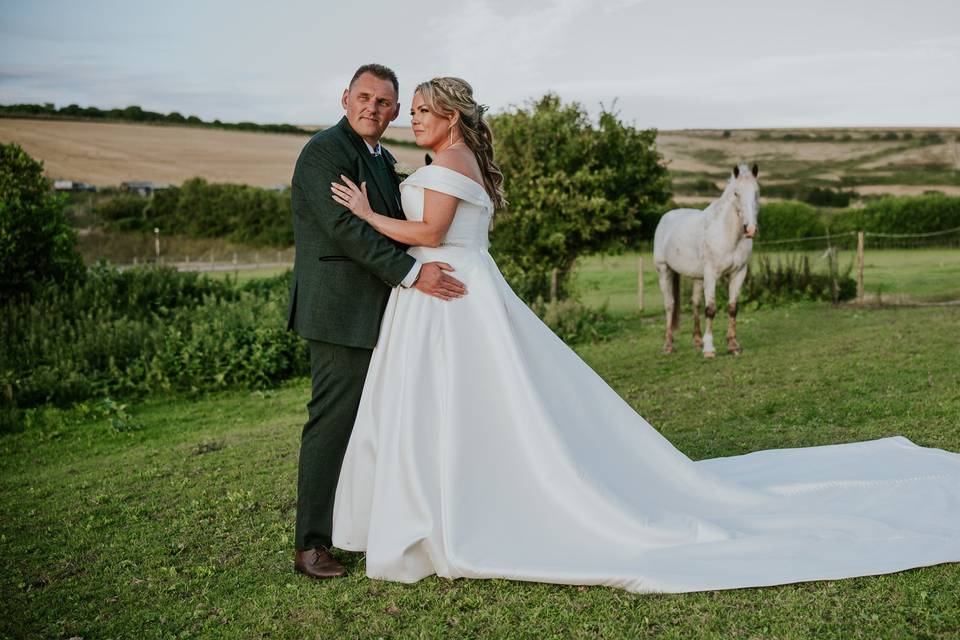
column 736, row 281
column 697, row 297
column 666, row 288
column 710, row 291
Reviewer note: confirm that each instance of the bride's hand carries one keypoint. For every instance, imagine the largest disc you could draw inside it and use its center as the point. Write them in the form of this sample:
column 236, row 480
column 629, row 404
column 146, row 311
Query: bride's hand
column 352, row 197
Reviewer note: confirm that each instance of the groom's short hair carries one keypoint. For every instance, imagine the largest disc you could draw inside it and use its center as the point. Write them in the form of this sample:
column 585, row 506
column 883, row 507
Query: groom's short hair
column 380, row 71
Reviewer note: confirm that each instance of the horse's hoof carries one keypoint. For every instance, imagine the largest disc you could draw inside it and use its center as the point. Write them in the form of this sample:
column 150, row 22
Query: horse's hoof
column 709, row 355
column 736, row 351
column 697, row 343
column 667, row 349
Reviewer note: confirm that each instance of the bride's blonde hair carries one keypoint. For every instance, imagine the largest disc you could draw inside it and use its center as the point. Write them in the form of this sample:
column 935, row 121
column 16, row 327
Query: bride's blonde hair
column 447, row 95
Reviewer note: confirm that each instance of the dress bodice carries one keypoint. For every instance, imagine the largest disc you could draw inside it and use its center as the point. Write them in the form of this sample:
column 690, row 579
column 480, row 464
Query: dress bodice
column 471, row 221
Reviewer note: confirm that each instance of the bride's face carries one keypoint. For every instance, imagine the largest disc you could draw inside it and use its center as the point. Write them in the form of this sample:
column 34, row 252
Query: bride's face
column 429, row 128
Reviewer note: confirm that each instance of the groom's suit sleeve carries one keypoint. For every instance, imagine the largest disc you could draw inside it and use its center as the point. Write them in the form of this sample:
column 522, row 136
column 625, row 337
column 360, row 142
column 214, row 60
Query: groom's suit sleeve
column 357, row 239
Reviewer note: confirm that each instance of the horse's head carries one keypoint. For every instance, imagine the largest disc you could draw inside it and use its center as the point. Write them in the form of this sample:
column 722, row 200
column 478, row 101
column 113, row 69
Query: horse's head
column 746, row 192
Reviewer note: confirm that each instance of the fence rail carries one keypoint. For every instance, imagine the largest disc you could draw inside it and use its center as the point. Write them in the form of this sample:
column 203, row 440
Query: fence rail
column 862, row 243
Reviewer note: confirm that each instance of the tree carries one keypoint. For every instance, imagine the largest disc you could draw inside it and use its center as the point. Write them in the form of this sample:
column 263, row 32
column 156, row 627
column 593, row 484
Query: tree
column 37, row 244
column 573, row 188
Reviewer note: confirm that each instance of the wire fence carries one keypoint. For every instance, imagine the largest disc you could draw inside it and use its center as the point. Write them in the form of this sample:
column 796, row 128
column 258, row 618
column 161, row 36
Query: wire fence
column 127, row 250
column 889, row 268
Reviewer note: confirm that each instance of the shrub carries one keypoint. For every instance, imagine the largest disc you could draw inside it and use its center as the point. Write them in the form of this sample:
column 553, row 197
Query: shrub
column 37, row 244
column 788, row 220
column 123, row 212
column 903, row 214
column 791, row 278
column 573, row 187
column 826, row 197
column 199, row 209
column 572, row 321
column 817, row 196
column 145, row 330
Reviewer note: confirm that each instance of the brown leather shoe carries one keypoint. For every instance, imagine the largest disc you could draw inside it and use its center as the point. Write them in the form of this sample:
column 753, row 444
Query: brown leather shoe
column 318, row 563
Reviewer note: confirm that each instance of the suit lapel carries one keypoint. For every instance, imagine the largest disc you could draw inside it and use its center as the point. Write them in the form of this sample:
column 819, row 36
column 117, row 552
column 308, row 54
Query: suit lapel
column 389, row 161
column 387, row 192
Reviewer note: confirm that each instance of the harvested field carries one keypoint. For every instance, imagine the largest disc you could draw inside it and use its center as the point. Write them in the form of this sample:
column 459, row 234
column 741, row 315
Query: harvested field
column 109, row 153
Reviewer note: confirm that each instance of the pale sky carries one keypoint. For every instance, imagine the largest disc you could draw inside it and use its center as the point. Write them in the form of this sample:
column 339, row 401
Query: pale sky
column 668, row 64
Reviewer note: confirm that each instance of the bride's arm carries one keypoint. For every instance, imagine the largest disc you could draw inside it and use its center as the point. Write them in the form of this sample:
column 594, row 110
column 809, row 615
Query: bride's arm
column 438, row 210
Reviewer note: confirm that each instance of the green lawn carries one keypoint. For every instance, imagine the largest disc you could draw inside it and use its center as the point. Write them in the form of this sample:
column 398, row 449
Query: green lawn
column 184, row 527
column 912, row 275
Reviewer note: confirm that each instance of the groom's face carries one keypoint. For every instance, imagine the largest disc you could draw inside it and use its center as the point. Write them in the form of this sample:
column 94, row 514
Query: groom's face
column 371, row 105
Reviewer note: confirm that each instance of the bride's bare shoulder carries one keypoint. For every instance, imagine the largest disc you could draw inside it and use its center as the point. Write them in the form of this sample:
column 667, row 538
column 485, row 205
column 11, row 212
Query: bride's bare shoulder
column 460, row 160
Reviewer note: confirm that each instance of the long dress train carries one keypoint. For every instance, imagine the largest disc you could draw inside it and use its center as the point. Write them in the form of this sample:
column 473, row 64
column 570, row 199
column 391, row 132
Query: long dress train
column 485, row 447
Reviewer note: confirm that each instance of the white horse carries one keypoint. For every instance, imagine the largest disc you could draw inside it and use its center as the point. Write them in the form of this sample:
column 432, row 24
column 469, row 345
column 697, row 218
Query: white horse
column 707, row 245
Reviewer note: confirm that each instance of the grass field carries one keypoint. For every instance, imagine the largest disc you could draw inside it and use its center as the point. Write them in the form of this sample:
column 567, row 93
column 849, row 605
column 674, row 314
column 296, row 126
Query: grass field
column 181, row 525
column 895, row 275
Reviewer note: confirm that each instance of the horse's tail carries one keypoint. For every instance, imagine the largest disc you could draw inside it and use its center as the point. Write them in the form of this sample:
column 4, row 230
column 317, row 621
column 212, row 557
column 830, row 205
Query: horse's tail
column 675, row 290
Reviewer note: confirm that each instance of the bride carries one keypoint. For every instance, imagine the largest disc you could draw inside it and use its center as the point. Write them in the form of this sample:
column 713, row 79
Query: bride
column 485, row 448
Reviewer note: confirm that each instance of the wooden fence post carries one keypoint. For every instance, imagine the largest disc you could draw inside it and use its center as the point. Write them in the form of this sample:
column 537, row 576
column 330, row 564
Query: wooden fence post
column 554, row 275
column 860, row 266
column 640, row 282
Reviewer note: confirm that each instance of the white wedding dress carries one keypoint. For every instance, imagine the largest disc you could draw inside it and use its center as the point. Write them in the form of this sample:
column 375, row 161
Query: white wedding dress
column 485, row 448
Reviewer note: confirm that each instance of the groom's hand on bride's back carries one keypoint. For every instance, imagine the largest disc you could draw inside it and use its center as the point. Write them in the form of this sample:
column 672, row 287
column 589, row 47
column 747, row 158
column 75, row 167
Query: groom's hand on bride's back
column 433, row 281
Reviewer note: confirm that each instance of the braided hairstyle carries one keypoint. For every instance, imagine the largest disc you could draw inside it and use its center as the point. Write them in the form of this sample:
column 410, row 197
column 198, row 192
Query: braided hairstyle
column 446, row 96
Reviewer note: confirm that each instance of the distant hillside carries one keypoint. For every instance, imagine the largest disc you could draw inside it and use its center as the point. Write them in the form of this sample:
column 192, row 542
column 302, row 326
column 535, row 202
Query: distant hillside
column 106, row 154
column 136, row 115
column 793, row 162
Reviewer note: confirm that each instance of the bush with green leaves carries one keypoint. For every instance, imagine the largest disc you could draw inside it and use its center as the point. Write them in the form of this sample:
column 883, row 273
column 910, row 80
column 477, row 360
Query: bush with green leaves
column 789, row 220
column 123, row 212
column 892, row 214
column 572, row 321
column 791, row 278
column 37, row 244
column 902, row 214
column 146, row 330
column 574, row 188
column 816, row 195
column 200, row 209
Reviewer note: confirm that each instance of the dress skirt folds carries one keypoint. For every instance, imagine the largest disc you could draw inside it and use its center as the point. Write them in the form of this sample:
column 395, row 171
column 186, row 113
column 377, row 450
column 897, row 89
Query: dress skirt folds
column 484, row 447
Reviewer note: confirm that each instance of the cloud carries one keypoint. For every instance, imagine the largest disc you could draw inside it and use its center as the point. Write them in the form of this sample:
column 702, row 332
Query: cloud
column 502, row 44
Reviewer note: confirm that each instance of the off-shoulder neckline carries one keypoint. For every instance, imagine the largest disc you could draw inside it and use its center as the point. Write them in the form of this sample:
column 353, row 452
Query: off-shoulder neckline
column 454, row 171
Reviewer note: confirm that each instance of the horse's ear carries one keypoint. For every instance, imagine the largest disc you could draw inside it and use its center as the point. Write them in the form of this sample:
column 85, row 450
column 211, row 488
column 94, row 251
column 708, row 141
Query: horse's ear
column 755, row 170
column 736, row 171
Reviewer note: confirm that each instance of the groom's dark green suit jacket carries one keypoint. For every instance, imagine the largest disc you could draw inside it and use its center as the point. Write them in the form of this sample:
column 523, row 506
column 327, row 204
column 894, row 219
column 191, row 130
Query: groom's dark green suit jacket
column 344, row 269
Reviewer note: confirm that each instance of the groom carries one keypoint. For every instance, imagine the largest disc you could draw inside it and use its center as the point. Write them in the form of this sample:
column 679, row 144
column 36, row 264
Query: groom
column 342, row 276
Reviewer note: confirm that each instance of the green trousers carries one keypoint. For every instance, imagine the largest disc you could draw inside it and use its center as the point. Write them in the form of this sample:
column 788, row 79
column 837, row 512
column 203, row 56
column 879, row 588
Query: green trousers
column 337, row 374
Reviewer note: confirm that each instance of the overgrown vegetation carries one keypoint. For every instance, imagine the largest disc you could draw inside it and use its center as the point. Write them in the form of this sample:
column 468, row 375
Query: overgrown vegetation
column 37, row 244
column 146, row 331
column 891, row 214
column 790, row 277
column 197, row 208
column 815, row 195
column 573, row 321
column 574, row 188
